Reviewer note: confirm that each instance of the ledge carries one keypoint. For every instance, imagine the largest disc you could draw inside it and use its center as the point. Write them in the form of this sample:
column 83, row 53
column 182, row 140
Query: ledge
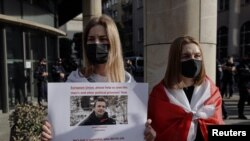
column 31, row 24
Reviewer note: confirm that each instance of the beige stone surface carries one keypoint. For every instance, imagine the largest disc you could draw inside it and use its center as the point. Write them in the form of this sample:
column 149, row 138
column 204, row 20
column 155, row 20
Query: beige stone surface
column 91, row 8
column 165, row 20
column 209, row 54
column 156, row 63
column 208, row 20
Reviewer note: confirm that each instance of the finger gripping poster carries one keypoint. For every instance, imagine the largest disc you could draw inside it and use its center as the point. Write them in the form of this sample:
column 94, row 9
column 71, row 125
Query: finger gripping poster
column 97, row 111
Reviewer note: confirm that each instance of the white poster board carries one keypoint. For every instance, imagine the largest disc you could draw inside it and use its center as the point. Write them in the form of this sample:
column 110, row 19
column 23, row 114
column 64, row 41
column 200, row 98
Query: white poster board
column 70, row 103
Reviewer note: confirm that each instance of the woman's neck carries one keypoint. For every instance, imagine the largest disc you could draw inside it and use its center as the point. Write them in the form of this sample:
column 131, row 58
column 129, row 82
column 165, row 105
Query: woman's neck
column 188, row 81
column 100, row 69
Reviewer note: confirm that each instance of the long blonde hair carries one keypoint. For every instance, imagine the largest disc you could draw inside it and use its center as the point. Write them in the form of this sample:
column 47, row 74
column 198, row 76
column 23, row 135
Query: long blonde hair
column 115, row 64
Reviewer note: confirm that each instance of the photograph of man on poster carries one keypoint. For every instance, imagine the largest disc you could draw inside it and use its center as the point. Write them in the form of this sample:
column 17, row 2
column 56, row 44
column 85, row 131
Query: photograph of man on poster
column 99, row 116
column 98, row 110
column 72, row 116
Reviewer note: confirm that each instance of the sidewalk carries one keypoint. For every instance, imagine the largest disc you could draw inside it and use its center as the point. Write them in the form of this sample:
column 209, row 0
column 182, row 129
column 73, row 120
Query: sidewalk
column 4, row 127
column 231, row 105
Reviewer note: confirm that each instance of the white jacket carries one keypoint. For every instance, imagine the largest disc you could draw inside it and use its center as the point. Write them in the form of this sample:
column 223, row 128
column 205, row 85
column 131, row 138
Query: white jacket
column 77, row 76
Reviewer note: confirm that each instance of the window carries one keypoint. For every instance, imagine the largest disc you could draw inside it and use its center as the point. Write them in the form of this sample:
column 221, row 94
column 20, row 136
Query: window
column 45, row 4
column 223, row 5
column 14, row 43
column 222, row 42
column 245, row 39
column 36, row 42
column 140, row 35
column 107, row 5
column 139, row 3
column 51, row 47
column 115, row 14
column 244, row 2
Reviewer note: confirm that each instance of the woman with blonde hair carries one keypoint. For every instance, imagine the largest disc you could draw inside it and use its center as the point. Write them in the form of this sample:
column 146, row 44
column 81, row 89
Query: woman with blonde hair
column 103, row 60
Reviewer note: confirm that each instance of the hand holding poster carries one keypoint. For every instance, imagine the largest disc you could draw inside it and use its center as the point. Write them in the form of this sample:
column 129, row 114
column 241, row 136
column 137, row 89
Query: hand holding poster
column 97, row 111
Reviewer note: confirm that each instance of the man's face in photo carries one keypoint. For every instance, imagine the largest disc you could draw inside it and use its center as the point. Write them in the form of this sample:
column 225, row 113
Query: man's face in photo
column 99, row 109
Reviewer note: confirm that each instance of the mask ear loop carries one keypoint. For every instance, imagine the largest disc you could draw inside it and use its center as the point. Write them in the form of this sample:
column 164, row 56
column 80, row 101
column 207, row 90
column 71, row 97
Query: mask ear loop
column 80, row 73
column 90, row 79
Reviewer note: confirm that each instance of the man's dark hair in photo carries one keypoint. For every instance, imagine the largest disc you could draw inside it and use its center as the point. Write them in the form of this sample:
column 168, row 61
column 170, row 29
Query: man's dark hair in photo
column 99, row 116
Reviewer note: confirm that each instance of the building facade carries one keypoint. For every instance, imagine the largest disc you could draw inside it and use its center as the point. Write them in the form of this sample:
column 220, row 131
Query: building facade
column 164, row 20
column 233, row 29
column 29, row 31
column 128, row 15
column 138, row 34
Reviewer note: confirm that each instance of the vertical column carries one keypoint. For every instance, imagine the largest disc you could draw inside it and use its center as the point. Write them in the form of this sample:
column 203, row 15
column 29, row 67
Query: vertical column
column 165, row 20
column 233, row 30
column 91, row 8
column 4, row 79
column 32, row 87
column 24, row 64
column 46, row 51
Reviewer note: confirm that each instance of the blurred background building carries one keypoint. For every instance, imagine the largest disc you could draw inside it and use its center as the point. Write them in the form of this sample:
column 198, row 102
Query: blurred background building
column 233, row 28
column 128, row 15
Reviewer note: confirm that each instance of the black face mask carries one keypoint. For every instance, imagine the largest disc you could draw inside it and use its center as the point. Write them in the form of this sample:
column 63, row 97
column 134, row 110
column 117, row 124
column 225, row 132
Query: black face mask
column 191, row 68
column 97, row 53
